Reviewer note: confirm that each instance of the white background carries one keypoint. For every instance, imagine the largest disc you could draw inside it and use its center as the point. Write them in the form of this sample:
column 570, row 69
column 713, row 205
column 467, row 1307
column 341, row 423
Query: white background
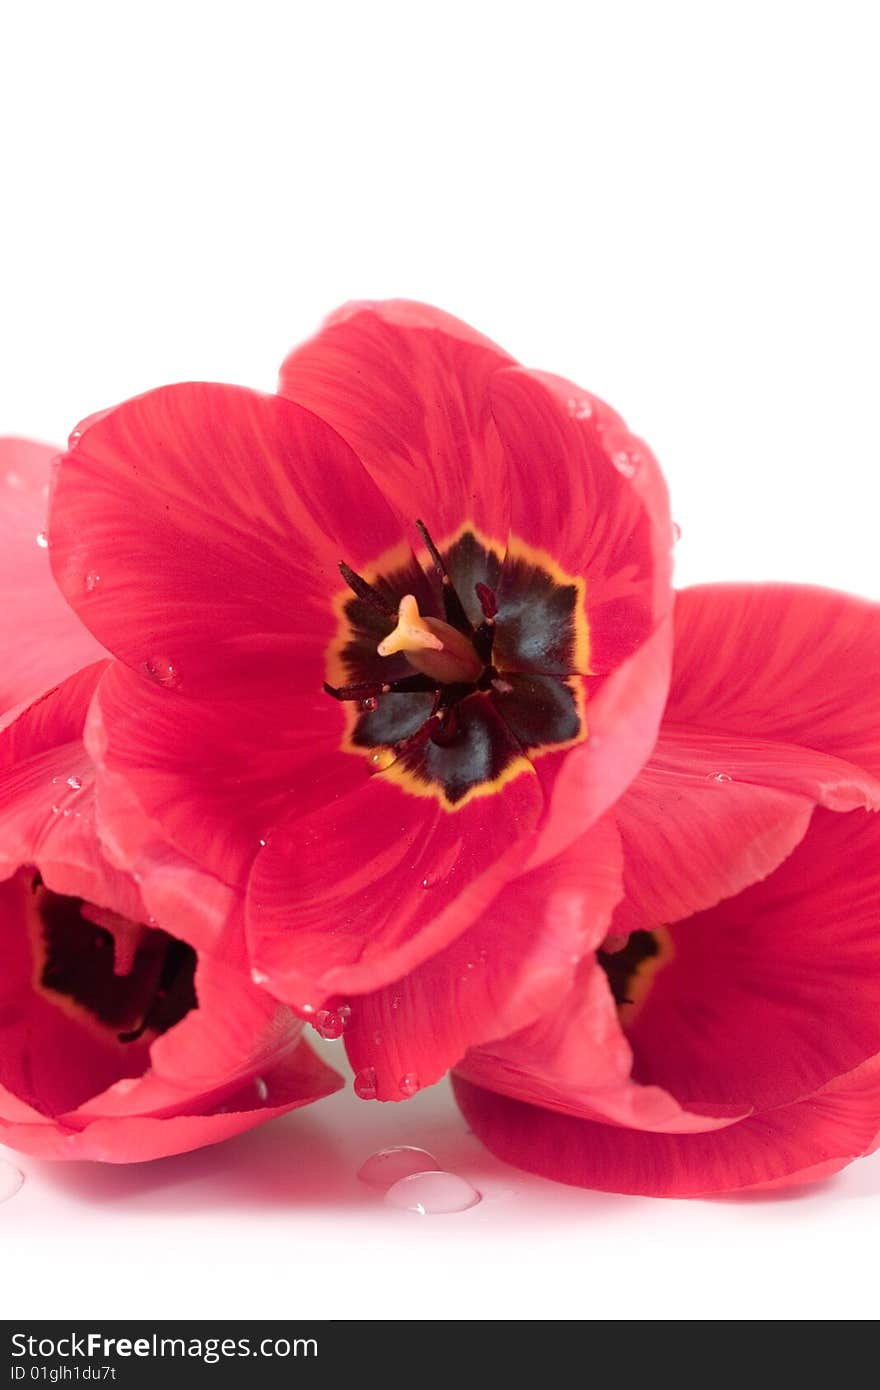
column 674, row 204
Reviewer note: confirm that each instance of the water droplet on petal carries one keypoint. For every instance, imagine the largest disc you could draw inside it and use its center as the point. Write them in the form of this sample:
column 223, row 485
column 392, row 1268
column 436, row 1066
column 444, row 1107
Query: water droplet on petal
column 11, row 1181
column 396, row 1002
column 377, row 1038
column 344, row 1011
column 42, row 540
column 719, row 777
column 387, row 1166
column 74, row 783
column 579, row 408
column 261, row 1088
column 409, row 1084
column 433, row 1194
column 163, row 672
column 91, row 582
column 14, row 480
column 259, row 977
column 370, row 704
column 626, row 462
column 329, row 1024
column 365, row 1084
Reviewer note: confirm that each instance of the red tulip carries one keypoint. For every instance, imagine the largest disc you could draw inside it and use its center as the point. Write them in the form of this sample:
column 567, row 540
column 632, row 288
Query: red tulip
column 129, row 1027
column 725, row 1032
column 40, row 640
column 384, row 646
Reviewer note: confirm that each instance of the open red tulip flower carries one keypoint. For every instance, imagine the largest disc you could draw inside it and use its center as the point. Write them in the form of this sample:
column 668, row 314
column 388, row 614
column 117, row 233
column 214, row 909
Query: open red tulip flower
column 387, row 642
column 724, row 1032
column 129, row 1027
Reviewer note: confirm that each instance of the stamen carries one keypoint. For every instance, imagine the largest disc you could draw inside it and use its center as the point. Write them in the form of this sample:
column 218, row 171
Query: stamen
column 452, row 604
column 366, row 690
column 175, row 993
column 366, row 591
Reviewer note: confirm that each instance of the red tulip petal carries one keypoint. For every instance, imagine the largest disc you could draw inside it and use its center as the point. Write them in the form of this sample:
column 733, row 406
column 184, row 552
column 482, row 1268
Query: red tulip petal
column 506, row 970
column 406, row 386
column 815, row 1136
column 590, row 493
column 236, row 1034
column 47, row 813
column 694, row 833
column 575, row 1059
column 41, row 638
column 349, row 897
column 780, row 663
column 297, row 1079
column 213, row 775
column 774, row 992
column 216, row 519
column 623, row 715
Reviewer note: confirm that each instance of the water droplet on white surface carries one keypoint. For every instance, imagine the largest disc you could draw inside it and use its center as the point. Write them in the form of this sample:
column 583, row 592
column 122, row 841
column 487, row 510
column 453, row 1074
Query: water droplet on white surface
column 10, row 1181
column 365, row 1084
column 409, row 1084
column 387, row 1166
column 433, row 1193
column 42, row 540
column 163, row 671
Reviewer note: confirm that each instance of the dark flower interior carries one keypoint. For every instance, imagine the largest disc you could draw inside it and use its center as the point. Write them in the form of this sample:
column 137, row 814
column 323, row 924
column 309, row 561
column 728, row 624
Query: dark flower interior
column 525, row 630
column 83, row 995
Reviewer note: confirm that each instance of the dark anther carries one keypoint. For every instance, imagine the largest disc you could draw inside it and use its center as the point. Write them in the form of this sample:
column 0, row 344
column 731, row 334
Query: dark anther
column 452, row 604
column 366, row 591
column 483, row 639
column 175, row 992
column 365, row 690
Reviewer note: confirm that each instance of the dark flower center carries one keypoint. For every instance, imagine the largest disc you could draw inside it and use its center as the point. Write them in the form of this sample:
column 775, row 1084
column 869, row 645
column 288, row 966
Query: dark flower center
column 461, row 671
column 623, row 967
column 632, row 969
column 130, row 979
column 83, row 994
